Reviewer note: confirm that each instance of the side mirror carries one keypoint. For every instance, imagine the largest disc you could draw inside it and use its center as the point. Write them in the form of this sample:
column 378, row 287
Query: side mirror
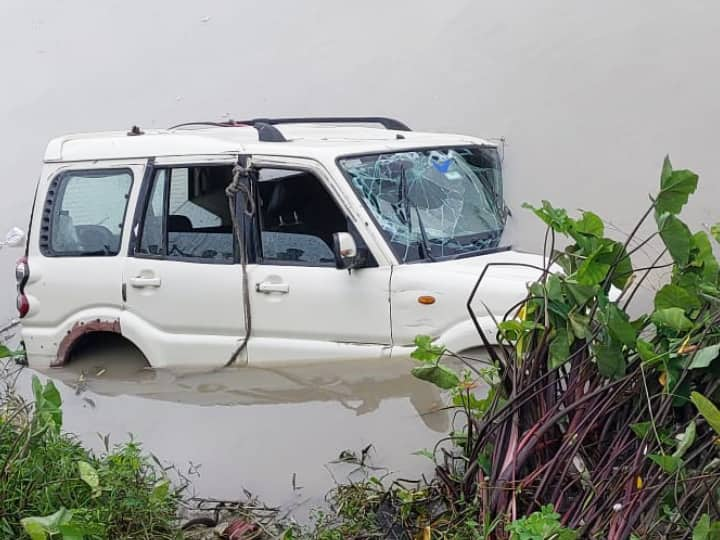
column 14, row 238
column 345, row 250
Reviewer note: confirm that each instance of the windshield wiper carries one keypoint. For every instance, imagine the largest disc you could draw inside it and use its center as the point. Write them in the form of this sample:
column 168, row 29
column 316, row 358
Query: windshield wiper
column 427, row 254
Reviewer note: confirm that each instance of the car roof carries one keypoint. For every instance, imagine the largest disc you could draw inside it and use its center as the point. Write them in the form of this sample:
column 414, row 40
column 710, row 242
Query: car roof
column 318, row 141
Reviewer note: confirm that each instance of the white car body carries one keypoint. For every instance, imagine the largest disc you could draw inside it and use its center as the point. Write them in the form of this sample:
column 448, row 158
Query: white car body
column 182, row 313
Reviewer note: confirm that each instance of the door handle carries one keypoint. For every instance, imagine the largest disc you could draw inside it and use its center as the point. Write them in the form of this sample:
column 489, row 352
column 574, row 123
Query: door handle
column 269, row 287
column 142, row 281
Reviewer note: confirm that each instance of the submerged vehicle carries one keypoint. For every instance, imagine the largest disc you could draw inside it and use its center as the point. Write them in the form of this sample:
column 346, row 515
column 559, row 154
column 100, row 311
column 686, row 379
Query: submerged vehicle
column 266, row 242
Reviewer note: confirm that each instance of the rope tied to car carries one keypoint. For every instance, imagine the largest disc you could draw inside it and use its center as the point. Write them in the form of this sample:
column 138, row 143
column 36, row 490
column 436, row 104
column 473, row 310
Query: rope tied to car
column 241, row 183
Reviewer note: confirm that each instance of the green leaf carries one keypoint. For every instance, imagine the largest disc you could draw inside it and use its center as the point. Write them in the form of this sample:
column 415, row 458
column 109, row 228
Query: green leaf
column 619, row 325
column 707, row 409
column 675, row 189
column 669, row 464
column 580, row 293
column 702, row 529
column 704, row 357
column 160, row 491
column 5, row 352
column 715, row 231
column 89, row 475
column 646, row 351
column 621, row 265
column 590, row 224
column 556, row 218
column 686, row 440
column 559, row 349
column 580, row 325
column 706, row 257
column 554, row 288
column 673, row 318
column 676, row 236
column 426, row 351
column 424, row 452
column 675, row 296
column 440, row 376
column 72, row 532
column 592, row 272
column 40, row 528
column 610, row 360
column 640, row 429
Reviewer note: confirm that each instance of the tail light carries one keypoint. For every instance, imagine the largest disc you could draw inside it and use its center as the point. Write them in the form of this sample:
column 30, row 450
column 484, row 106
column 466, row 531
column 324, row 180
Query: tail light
column 22, row 273
column 23, row 305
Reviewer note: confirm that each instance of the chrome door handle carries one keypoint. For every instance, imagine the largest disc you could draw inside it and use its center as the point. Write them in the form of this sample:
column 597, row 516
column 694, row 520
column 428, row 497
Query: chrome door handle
column 269, row 287
column 140, row 282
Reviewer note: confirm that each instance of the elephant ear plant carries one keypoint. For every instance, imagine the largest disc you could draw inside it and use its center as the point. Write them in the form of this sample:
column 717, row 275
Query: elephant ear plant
column 608, row 418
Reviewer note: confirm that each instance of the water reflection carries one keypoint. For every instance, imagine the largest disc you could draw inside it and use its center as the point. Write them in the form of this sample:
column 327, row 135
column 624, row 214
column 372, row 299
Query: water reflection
column 274, row 432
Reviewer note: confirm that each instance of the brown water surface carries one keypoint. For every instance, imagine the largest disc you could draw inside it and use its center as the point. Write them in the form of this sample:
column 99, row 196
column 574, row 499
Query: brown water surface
column 274, row 433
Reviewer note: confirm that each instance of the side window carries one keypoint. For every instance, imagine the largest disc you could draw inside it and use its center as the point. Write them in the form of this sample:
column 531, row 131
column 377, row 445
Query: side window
column 85, row 211
column 187, row 215
column 297, row 219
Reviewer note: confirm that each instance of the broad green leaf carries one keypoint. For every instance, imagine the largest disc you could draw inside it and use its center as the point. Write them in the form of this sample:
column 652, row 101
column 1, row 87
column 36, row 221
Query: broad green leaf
column 706, row 257
column 707, row 409
column 619, row 325
column 646, row 351
column 559, row 349
column 72, row 532
column 673, row 318
column 676, row 236
column 675, row 296
column 686, row 440
column 580, row 325
column 620, row 263
column 554, row 288
column 715, row 231
column 640, row 429
column 610, row 360
column 666, row 171
column 51, row 394
column 591, row 272
column 669, row 464
column 89, row 475
column 33, row 529
column 5, row 352
column 675, row 189
column 426, row 351
column 160, row 491
column 590, row 224
column 439, row 375
column 702, row 528
column 704, row 357
column 556, row 218
column 40, row 528
column 580, row 293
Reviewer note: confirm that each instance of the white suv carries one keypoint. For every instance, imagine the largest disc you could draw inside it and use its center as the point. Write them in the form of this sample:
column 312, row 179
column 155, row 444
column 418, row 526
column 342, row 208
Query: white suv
column 266, row 242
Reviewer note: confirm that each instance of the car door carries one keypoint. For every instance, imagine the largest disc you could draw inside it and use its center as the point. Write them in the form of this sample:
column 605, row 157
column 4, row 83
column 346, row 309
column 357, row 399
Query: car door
column 181, row 284
column 305, row 309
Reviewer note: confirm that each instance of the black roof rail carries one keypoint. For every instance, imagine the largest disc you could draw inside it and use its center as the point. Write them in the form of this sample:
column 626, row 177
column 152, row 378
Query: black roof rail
column 267, row 132
column 387, row 123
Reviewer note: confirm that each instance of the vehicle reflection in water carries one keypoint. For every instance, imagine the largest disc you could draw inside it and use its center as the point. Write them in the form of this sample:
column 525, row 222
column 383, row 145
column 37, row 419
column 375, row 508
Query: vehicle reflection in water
column 275, row 433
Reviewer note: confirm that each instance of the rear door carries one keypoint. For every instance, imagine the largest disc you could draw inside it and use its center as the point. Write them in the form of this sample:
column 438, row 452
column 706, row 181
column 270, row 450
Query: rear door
column 182, row 286
column 304, row 309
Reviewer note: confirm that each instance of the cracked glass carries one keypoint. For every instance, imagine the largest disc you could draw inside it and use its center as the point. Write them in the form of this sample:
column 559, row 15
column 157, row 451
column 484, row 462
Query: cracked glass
column 433, row 203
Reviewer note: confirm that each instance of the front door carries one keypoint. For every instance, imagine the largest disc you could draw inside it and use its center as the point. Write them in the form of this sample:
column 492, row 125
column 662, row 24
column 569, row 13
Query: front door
column 181, row 284
column 304, row 309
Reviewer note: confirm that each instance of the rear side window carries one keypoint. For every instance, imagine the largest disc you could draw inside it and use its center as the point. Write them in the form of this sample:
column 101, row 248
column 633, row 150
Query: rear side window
column 187, row 216
column 84, row 213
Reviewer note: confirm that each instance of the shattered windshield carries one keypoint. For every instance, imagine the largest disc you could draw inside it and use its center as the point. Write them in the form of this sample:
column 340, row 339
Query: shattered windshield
column 433, row 203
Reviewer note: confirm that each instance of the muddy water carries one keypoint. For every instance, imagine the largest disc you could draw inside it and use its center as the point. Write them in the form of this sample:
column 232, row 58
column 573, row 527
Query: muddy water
column 274, row 433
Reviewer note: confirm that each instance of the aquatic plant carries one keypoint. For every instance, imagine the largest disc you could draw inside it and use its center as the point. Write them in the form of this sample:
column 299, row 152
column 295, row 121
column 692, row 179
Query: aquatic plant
column 606, row 419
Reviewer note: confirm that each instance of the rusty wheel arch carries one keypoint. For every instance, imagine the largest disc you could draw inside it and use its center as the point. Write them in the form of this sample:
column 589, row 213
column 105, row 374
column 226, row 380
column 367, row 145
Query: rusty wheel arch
column 82, row 329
